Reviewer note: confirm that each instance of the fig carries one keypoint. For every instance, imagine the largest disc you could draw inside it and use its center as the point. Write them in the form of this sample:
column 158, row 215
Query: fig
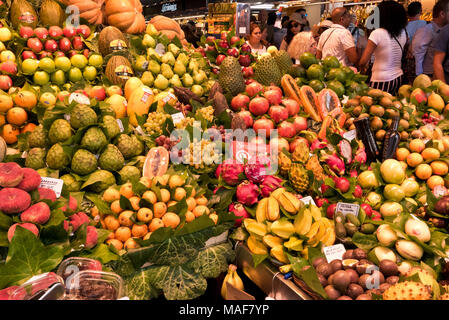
column 359, row 254
column 348, row 254
column 324, row 269
column 364, row 297
column 388, row 268
column 344, row 298
column 341, row 280
column 317, row 261
column 392, row 280
column 353, row 275
column 332, row 293
column 354, row 290
column 336, row 265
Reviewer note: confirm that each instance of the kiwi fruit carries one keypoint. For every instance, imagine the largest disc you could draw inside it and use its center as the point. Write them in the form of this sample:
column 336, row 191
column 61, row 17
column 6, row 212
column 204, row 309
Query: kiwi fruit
column 388, row 268
column 336, row 265
column 324, row 269
column 367, row 101
column 376, row 123
column 332, row 292
column 354, row 290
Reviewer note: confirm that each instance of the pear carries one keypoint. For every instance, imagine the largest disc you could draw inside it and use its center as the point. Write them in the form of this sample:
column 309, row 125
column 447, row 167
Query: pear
column 199, row 76
column 148, row 41
column 193, row 66
column 174, row 49
column 179, row 68
column 168, row 58
column 198, row 90
column 202, row 63
column 154, row 67
column 153, row 55
column 151, row 30
column 161, row 82
column 141, row 64
column 187, row 80
column 166, row 71
column 175, row 81
column 182, row 57
column 147, row 78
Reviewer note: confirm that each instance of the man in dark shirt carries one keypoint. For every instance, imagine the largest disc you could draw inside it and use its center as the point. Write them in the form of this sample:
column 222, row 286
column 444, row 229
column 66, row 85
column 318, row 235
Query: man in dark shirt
column 271, row 29
column 441, row 56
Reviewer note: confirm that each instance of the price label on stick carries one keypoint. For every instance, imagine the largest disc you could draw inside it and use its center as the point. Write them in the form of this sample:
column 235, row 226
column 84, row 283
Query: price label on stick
column 53, row 184
column 346, row 208
column 308, row 200
column 335, row 252
column 177, row 117
column 350, row 135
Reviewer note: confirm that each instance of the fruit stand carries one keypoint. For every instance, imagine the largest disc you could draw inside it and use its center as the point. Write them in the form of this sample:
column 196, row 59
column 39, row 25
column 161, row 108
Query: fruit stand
column 135, row 166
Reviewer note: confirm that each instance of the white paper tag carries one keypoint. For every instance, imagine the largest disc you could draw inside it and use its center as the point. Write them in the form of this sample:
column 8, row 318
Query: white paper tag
column 146, row 94
column 345, row 99
column 160, row 49
column 346, row 208
column 439, row 191
column 139, row 130
column 24, row 154
column 334, row 252
column 120, row 124
column 350, row 135
column 242, row 30
column 79, row 98
column 308, row 200
column 168, row 97
column 216, row 240
column 67, row 116
column 53, row 184
column 177, row 117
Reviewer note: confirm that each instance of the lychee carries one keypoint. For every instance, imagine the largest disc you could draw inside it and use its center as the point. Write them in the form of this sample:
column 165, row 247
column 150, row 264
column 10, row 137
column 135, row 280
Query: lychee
column 38, row 213
column 29, row 226
column 10, row 174
column 31, row 180
column 14, row 200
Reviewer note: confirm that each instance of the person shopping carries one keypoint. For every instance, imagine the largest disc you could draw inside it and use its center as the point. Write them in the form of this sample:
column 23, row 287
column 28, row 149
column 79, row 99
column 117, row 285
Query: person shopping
column 387, row 44
column 293, row 28
column 255, row 40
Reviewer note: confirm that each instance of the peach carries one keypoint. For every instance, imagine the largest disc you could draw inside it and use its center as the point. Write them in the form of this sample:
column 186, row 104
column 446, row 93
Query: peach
column 31, row 180
column 78, row 219
column 131, row 244
column 91, row 237
column 123, row 234
column 418, row 96
column 73, row 204
column 38, row 213
column 29, row 226
column 48, row 194
column 116, row 243
column 13, row 200
column 11, row 174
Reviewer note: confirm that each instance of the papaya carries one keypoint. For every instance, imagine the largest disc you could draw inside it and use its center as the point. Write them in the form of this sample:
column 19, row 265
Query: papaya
column 292, row 90
column 131, row 85
column 310, row 102
column 139, row 103
column 156, row 162
column 328, row 103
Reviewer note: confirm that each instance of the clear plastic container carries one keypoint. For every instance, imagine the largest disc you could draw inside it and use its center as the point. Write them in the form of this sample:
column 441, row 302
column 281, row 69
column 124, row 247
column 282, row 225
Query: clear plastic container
column 74, row 265
column 94, row 285
column 36, row 287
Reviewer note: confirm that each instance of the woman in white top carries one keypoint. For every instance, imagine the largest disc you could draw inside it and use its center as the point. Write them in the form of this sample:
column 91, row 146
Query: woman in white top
column 387, row 43
column 255, row 40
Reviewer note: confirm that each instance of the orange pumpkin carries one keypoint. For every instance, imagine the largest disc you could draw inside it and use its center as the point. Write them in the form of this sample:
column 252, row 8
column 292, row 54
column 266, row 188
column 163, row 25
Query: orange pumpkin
column 167, row 26
column 125, row 15
column 91, row 10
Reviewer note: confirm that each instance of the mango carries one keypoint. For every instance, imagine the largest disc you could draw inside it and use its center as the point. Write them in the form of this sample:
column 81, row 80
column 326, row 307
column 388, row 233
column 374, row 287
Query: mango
column 443, row 90
column 418, row 96
column 436, row 101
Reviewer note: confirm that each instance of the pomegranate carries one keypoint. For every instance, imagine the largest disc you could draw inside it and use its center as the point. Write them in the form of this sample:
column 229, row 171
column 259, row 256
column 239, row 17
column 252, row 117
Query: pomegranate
column 278, row 113
column 239, row 210
column 286, row 129
column 253, row 89
column 259, row 106
column 263, row 126
column 273, row 96
column 292, row 107
column 300, row 123
column 247, row 117
column 240, row 102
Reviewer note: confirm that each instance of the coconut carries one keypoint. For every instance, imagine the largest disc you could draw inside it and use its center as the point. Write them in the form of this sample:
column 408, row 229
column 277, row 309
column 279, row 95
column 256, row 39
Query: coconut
column 51, row 13
column 111, row 39
column 22, row 13
column 118, row 70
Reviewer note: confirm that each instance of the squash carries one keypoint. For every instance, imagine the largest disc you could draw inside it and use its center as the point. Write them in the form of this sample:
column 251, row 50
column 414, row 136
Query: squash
column 139, row 103
column 110, row 40
column 118, row 70
column 126, row 15
column 91, row 10
column 168, row 26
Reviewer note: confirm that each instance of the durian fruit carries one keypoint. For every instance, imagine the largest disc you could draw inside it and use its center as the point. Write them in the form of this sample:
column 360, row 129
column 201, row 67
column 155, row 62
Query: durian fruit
column 22, row 13
column 51, row 13
column 298, row 177
column 230, row 76
column 407, row 290
column 301, row 153
column 283, row 60
column 266, row 71
column 284, row 163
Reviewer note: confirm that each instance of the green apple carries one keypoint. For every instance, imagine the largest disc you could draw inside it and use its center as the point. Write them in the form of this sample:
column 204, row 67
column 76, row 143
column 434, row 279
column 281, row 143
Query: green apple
column 79, row 61
column 96, row 60
column 90, row 73
column 29, row 66
column 58, row 77
column 63, row 63
column 75, row 74
column 47, row 64
column 41, row 77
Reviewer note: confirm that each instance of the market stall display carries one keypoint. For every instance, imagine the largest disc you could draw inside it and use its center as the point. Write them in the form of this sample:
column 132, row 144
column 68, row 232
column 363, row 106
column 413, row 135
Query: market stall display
column 113, row 165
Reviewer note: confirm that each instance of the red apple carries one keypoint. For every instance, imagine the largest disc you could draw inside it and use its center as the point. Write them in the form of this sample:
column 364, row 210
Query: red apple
column 35, row 44
column 245, row 60
column 8, row 67
column 300, row 123
column 51, row 45
column 65, row 44
column 247, row 117
column 220, row 59
column 27, row 54
column 86, row 53
column 234, row 40
column 292, row 106
column 210, row 49
column 248, row 72
column 367, row 208
column 331, row 210
column 263, row 126
column 5, row 82
column 26, row 32
column 41, row 33
column 69, row 31
column 71, row 53
column 295, row 142
column 223, row 44
column 224, row 35
column 280, row 143
column 278, row 113
column 210, row 40
column 98, row 92
column 286, row 129
column 233, row 52
column 77, row 43
column 245, row 48
column 44, row 54
column 259, row 106
column 253, row 89
column 239, row 102
column 83, row 30
column 114, row 90
column 59, row 54
column 273, row 96
column 55, row 32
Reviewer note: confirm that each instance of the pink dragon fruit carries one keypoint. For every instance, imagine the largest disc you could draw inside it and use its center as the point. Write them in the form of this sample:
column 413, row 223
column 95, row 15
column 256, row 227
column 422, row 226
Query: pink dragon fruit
column 360, row 156
column 345, row 150
column 255, row 172
column 230, row 172
column 247, row 193
column 317, row 144
column 336, row 164
column 269, row 184
column 239, row 210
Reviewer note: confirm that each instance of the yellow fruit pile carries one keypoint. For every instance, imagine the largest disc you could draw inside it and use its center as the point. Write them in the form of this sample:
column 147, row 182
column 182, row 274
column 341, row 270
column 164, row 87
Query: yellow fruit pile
column 127, row 225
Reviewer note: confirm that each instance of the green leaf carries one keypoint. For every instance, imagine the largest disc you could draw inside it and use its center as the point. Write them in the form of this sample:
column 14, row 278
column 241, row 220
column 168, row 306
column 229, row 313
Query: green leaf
column 139, row 287
column 5, row 221
column 102, row 253
column 125, row 204
column 310, row 277
column 27, row 257
column 364, row 241
column 259, row 258
column 102, row 205
column 212, row 261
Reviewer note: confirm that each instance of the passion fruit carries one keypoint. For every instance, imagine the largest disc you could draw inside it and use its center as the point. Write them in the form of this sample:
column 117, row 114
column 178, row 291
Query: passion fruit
column 353, row 275
column 331, row 292
column 388, row 268
column 349, row 263
column 324, row 269
column 359, row 254
column 392, row 280
column 344, row 298
column 341, row 280
column 348, row 254
column 317, row 261
column 336, row 265
column 362, row 266
column 354, row 290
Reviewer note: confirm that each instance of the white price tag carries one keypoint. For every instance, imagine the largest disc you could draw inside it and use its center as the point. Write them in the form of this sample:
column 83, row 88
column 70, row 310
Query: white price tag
column 160, row 49
column 177, row 117
column 308, row 200
column 53, row 184
column 350, row 135
column 79, row 98
column 168, row 97
column 120, row 124
column 242, row 30
column 335, row 252
column 139, row 130
column 345, row 99
column 146, row 94
column 67, row 116
column 346, row 208
column 24, row 155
